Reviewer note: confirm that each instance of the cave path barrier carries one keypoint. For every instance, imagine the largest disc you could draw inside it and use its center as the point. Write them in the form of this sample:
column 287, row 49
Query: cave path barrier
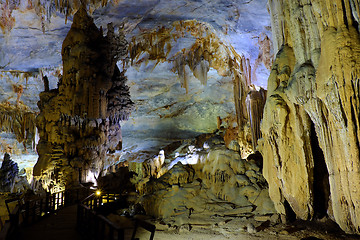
column 29, row 211
column 98, row 227
column 94, row 201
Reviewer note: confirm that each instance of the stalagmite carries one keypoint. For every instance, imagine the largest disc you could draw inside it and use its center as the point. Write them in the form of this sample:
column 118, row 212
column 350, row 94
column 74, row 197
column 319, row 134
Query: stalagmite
column 79, row 122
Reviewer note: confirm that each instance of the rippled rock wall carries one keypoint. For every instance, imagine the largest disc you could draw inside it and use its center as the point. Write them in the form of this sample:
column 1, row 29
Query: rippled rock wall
column 311, row 119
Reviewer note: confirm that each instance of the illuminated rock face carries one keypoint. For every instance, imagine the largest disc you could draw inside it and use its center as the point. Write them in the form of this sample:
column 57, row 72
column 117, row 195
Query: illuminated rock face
column 311, row 118
column 79, row 122
column 203, row 177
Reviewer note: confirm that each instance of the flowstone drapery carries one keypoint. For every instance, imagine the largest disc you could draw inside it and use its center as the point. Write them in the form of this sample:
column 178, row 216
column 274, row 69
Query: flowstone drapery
column 311, row 118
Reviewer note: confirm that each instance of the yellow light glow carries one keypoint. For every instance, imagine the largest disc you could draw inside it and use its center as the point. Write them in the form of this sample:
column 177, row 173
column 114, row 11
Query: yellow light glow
column 98, row 193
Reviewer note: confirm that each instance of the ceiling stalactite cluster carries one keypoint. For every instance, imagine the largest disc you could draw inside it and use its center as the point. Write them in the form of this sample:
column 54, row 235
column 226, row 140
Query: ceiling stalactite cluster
column 207, row 51
column 19, row 120
column 45, row 9
column 314, row 84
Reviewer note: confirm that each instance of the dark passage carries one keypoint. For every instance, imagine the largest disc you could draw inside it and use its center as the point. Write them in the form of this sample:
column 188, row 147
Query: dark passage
column 290, row 214
column 321, row 185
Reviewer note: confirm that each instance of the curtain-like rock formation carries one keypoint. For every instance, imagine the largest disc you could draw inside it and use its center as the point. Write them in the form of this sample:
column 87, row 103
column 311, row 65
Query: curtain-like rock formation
column 80, row 121
column 311, row 119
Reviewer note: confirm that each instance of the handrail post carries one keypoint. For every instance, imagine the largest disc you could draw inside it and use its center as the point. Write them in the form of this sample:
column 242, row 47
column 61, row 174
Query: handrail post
column 96, row 227
column 1, row 224
column 78, row 216
column 120, row 234
column 65, row 198
column 111, row 233
column 41, row 206
column 53, row 202
column 57, row 198
column 46, row 203
column 102, row 230
column 27, row 209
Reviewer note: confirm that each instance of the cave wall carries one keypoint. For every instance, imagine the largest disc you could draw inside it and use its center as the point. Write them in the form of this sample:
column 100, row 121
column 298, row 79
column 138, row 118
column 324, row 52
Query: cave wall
column 79, row 122
column 314, row 84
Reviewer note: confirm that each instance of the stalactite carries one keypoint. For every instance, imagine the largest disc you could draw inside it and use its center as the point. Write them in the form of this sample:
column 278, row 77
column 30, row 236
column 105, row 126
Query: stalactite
column 18, row 89
column 118, row 98
column 180, row 69
column 246, row 70
column 18, row 119
column 7, row 21
column 45, row 9
column 255, row 102
column 208, row 51
column 238, row 92
column 265, row 55
column 200, row 71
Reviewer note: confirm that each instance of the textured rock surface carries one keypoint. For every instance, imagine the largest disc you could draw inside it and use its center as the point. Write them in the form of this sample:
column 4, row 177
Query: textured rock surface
column 311, row 118
column 196, row 181
column 8, row 172
column 79, row 122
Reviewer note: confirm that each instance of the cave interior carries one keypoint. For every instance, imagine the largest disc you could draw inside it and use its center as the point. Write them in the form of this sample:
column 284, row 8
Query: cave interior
column 225, row 119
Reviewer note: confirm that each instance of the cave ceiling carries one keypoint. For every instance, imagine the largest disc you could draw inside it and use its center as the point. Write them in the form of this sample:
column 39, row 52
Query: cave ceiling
column 32, row 32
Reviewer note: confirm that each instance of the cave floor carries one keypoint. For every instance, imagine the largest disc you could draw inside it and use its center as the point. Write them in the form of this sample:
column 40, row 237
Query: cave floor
column 237, row 228
column 62, row 226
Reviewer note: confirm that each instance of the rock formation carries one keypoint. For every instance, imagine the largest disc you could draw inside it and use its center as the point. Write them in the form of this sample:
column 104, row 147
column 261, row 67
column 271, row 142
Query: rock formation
column 8, row 172
column 201, row 178
column 311, row 118
column 208, row 51
column 79, row 122
column 255, row 102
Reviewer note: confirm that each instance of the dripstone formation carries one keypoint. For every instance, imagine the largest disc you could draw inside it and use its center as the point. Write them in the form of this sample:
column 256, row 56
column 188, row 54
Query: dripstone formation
column 79, row 122
column 8, row 171
column 311, row 117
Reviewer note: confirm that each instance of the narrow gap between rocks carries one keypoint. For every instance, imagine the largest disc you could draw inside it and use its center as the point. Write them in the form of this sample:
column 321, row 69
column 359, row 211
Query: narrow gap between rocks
column 321, row 186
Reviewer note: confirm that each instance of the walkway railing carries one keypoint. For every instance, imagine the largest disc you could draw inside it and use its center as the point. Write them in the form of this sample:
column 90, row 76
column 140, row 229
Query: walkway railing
column 98, row 227
column 98, row 199
column 10, row 225
column 28, row 211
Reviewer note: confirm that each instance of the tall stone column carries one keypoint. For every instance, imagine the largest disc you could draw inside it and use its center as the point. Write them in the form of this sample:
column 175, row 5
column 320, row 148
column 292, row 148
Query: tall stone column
column 79, row 122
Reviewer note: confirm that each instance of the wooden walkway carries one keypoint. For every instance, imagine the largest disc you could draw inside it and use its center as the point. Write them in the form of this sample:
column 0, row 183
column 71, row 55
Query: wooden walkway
column 60, row 226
